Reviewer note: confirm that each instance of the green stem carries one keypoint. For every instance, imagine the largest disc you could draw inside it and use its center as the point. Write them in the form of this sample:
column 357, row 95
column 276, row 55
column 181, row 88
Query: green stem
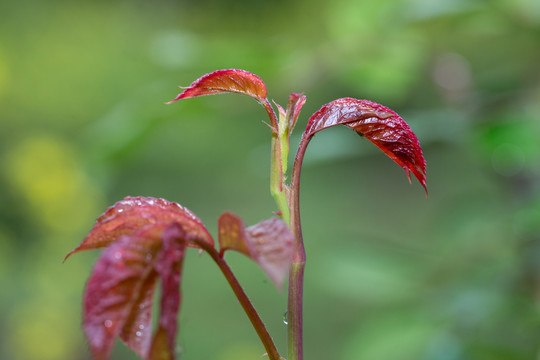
column 279, row 153
column 290, row 212
column 296, row 272
column 243, row 299
column 276, row 179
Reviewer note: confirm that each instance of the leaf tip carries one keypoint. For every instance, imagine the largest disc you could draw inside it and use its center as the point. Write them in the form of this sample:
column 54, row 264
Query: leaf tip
column 68, row 255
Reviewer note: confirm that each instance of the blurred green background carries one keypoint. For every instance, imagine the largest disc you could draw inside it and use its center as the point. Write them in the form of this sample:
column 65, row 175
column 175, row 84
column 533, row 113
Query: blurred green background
column 390, row 275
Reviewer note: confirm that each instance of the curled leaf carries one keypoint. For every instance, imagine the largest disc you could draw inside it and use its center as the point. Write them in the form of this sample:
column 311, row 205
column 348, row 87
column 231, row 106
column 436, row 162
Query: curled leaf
column 132, row 213
column 269, row 243
column 295, row 104
column 223, row 81
column 380, row 125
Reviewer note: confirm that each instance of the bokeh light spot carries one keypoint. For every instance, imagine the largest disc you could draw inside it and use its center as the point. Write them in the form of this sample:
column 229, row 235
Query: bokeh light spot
column 45, row 173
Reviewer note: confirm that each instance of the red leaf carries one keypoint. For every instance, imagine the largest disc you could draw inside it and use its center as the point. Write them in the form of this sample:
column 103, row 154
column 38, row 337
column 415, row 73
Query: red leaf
column 269, row 243
column 119, row 294
column 123, row 278
column 131, row 214
column 223, row 81
column 169, row 266
column 380, row 125
column 137, row 330
column 296, row 102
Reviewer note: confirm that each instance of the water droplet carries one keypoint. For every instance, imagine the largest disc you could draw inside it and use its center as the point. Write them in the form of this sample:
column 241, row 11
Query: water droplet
column 178, row 350
column 108, row 323
column 285, row 321
column 141, row 327
column 138, row 333
column 118, row 255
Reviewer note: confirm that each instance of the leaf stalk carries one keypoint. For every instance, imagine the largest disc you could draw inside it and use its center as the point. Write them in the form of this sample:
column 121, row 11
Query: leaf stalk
column 250, row 311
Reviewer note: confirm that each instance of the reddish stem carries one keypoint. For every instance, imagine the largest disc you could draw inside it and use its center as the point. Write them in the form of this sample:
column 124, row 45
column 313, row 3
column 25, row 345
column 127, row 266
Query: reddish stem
column 271, row 114
column 296, row 272
column 243, row 299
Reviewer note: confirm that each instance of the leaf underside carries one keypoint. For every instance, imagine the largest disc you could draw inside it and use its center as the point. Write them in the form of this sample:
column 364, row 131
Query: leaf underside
column 380, row 125
column 268, row 243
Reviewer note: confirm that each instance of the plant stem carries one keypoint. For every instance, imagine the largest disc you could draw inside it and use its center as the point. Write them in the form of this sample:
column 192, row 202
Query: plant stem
column 250, row 311
column 296, row 272
column 276, row 179
column 279, row 152
column 271, row 114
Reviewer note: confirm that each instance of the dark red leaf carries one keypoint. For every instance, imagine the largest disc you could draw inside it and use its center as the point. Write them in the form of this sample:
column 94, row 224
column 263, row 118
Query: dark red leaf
column 123, row 278
column 223, row 81
column 129, row 215
column 269, row 243
column 169, row 267
column 119, row 295
column 137, row 330
column 380, row 125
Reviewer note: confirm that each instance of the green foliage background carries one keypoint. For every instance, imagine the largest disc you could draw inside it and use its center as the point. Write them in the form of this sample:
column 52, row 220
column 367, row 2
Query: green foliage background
column 390, row 275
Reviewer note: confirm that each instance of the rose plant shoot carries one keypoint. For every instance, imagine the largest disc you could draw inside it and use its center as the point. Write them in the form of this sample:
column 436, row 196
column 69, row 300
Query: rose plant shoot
column 146, row 239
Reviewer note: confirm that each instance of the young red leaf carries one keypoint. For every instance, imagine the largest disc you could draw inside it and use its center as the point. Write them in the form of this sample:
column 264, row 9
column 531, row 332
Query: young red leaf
column 129, row 215
column 296, row 102
column 269, row 243
column 122, row 280
column 169, row 266
column 380, row 125
column 119, row 294
column 223, row 81
column 137, row 330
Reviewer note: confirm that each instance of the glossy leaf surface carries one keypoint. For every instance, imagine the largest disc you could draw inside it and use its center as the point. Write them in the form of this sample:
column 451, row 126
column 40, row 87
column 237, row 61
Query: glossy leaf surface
column 380, row 125
column 269, row 243
column 223, row 81
column 133, row 213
